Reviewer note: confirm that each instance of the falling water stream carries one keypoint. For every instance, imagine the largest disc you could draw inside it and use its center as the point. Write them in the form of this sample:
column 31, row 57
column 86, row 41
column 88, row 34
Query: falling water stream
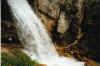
column 36, row 41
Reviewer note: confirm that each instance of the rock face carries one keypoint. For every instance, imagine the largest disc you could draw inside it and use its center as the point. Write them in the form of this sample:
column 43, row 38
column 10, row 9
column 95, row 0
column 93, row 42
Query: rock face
column 63, row 24
column 50, row 7
column 65, row 17
column 8, row 31
column 70, row 18
column 91, row 22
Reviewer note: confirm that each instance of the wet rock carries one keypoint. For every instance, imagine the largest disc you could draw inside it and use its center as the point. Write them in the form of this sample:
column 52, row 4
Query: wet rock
column 91, row 22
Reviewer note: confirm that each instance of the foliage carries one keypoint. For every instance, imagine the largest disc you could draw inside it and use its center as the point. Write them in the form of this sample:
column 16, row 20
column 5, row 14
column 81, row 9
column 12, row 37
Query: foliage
column 20, row 59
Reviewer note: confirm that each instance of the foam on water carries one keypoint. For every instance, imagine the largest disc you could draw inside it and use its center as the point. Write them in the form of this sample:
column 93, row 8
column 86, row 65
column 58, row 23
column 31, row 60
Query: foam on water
column 37, row 44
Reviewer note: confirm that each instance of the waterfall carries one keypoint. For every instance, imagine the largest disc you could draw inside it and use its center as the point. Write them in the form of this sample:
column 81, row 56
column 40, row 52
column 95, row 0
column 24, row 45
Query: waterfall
column 37, row 43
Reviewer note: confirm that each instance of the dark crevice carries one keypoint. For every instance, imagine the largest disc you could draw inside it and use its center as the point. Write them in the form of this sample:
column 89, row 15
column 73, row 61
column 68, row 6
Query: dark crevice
column 5, row 9
column 47, row 15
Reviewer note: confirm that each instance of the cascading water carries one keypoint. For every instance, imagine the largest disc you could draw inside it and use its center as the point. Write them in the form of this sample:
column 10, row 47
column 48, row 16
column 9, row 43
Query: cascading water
column 37, row 44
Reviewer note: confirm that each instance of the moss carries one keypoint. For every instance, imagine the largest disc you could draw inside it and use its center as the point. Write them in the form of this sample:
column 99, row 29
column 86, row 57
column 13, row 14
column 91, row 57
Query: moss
column 20, row 59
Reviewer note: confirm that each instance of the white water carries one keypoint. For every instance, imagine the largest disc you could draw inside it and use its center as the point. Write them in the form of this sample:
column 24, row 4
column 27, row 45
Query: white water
column 32, row 33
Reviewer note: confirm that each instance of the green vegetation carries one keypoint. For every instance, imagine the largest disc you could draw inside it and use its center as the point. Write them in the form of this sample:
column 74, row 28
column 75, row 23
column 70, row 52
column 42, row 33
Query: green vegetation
column 19, row 59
